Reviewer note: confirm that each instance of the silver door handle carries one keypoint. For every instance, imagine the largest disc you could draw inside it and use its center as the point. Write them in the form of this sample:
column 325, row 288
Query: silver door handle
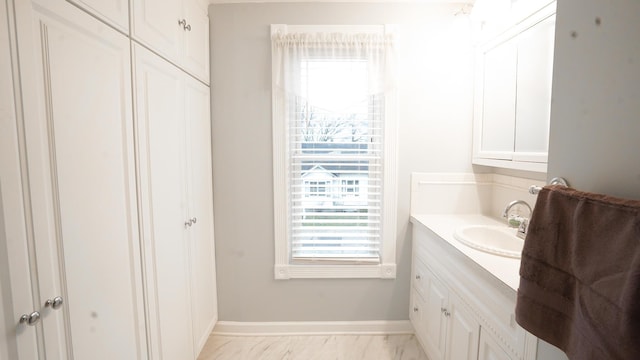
column 55, row 303
column 31, row 319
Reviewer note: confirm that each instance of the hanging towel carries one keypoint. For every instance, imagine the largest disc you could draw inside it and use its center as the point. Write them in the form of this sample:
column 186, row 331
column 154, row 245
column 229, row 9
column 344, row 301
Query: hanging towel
column 580, row 274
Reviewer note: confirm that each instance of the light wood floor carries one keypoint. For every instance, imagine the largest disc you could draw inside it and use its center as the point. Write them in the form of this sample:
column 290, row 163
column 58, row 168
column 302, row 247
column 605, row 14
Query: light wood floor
column 334, row 347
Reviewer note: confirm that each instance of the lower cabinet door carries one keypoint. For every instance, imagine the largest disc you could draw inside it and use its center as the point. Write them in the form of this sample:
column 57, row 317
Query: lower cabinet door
column 161, row 135
column 463, row 332
column 203, row 278
column 75, row 77
column 490, row 349
column 435, row 318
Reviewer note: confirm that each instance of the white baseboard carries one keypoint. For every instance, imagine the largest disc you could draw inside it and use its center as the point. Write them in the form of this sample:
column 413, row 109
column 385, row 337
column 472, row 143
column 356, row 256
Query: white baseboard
column 313, row 328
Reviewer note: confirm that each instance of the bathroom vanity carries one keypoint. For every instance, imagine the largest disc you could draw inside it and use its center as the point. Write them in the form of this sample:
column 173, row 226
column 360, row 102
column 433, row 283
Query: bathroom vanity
column 463, row 299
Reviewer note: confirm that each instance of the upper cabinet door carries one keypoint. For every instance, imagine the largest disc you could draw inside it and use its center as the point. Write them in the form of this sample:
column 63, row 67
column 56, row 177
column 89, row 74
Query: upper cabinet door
column 196, row 47
column 177, row 30
column 499, row 107
column 159, row 24
column 113, row 12
column 78, row 122
column 533, row 103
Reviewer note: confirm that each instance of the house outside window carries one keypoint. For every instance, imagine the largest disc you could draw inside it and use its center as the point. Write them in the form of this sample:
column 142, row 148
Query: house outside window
column 334, row 151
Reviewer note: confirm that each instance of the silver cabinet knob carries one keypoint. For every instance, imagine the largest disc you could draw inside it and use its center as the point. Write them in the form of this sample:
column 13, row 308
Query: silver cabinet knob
column 418, row 277
column 415, row 309
column 188, row 27
column 55, row 303
column 190, row 222
column 31, row 319
column 182, row 23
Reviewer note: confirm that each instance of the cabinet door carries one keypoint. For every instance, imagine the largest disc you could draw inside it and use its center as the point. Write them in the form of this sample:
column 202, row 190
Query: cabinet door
column 435, row 318
column 417, row 316
column 161, row 131
column 499, row 108
column 463, row 332
column 203, row 281
column 17, row 341
column 155, row 24
column 114, row 12
column 76, row 77
column 533, row 104
column 196, row 46
column 490, row 349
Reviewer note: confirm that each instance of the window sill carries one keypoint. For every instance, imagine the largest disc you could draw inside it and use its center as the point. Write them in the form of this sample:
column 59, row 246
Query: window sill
column 380, row 271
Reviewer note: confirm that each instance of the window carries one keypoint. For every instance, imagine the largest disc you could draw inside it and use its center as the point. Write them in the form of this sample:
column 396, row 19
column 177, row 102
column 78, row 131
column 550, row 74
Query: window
column 334, row 151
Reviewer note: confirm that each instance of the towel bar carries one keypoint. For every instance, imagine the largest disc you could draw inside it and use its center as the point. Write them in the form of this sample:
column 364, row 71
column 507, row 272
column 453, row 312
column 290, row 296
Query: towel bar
column 534, row 190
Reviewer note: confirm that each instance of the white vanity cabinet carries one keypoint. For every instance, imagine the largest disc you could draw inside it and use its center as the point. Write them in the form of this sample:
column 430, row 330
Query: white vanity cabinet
column 176, row 29
column 513, row 95
column 443, row 325
column 459, row 311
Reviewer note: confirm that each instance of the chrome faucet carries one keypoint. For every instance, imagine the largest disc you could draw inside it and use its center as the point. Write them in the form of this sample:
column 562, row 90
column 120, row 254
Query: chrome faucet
column 517, row 221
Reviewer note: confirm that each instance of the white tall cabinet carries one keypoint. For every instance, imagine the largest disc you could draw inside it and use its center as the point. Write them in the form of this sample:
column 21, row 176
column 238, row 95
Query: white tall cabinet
column 106, row 209
column 174, row 143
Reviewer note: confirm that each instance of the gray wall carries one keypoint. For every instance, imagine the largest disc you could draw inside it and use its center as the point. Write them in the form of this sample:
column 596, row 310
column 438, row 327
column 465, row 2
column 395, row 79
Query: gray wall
column 435, row 82
column 595, row 114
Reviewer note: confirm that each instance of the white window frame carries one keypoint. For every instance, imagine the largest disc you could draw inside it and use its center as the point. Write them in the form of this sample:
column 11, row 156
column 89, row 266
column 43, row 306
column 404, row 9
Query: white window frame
column 283, row 269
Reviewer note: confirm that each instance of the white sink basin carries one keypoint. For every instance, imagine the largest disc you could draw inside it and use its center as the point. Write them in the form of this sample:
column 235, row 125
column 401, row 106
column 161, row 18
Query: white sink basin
column 498, row 240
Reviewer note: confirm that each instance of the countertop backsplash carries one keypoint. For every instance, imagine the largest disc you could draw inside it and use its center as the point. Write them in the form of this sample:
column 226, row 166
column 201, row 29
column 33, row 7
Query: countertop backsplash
column 468, row 193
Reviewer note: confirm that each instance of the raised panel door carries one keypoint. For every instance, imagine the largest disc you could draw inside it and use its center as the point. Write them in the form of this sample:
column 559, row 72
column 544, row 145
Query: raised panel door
column 434, row 317
column 78, row 129
column 196, row 40
column 161, row 137
column 489, row 348
column 114, row 12
column 156, row 24
column 201, row 239
column 17, row 341
column 463, row 331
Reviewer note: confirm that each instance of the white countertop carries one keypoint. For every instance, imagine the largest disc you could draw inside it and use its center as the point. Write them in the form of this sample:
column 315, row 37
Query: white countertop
column 503, row 268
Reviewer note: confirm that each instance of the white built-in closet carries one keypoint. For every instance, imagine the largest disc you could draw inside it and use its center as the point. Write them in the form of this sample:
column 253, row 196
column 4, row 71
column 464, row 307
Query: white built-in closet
column 106, row 206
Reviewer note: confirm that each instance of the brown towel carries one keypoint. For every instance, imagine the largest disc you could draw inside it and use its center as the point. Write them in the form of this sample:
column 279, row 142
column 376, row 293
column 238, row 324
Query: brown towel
column 580, row 274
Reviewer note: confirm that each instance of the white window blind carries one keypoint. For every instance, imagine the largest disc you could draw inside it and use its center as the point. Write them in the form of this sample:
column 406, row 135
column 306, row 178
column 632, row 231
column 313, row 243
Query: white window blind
column 331, row 149
column 336, row 164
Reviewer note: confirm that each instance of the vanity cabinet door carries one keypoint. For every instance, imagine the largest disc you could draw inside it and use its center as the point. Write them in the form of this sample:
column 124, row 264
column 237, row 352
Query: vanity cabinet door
column 490, row 349
column 463, row 333
column 435, row 318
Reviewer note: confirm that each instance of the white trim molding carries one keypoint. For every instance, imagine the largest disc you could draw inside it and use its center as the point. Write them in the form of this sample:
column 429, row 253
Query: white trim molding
column 287, row 328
